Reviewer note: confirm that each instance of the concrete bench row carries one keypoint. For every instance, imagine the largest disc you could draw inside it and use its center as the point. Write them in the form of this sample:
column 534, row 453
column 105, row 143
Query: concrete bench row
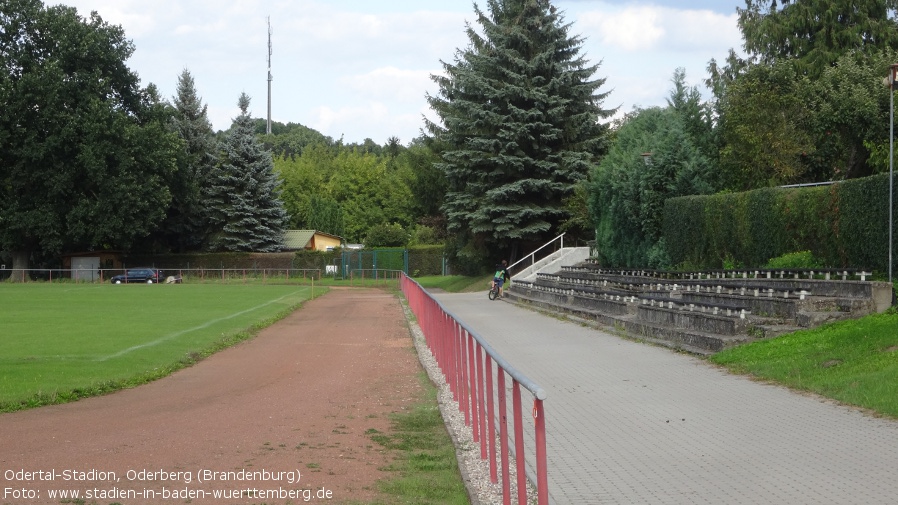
column 758, row 291
column 753, row 273
column 705, row 311
column 642, row 303
column 585, row 291
column 673, row 286
column 694, row 306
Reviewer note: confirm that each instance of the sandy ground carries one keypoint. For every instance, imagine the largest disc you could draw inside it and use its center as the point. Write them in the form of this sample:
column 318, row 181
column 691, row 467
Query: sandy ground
column 283, row 413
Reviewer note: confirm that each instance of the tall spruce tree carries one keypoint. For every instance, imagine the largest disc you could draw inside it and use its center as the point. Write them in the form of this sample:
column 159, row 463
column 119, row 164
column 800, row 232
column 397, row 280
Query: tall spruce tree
column 245, row 209
column 520, row 119
column 813, row 34
column 186, row 224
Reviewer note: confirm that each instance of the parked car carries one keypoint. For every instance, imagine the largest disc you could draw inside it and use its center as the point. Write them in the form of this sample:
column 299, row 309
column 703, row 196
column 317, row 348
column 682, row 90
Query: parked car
column 145, row 275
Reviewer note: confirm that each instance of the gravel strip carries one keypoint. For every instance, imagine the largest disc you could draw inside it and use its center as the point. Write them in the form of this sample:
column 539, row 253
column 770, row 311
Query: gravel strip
column 475, row 471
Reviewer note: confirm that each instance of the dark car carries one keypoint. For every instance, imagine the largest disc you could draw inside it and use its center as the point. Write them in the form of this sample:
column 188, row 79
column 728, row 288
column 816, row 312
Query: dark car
column 145, row 275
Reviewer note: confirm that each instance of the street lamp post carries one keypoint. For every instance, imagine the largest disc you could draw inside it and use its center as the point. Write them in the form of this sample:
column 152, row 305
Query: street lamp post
column 893, row 73
column 647, row 159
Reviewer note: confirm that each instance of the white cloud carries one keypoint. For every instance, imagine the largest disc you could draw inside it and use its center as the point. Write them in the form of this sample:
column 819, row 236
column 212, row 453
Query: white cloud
column 650, row 28
column 703, row 31
column 641, row 46
column 392, row 83
column 362, row 68
column 629, row 29
column 356, row 118
column 135, row 20
column 219, row 26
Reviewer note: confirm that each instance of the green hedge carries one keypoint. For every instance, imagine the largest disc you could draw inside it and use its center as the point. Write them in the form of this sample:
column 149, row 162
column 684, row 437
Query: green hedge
column 844, row 225
column 422, row 260
column 235, row 260
column 426, row 260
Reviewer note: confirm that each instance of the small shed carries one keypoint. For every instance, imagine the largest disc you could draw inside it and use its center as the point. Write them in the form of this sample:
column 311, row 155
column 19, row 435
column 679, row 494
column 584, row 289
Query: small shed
column 88, row 266
column 312, row 240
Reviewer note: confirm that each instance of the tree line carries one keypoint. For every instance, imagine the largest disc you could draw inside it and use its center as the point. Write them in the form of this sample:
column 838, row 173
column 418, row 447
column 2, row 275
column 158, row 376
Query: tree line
column 522, row 150
column 805, row 105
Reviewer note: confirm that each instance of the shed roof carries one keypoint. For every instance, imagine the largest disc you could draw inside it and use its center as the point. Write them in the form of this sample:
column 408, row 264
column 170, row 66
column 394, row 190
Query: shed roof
column 297, row 239
column 302, row 239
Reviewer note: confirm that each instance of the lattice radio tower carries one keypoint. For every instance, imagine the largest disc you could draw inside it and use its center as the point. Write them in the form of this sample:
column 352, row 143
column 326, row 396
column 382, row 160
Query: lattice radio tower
column 268, row 125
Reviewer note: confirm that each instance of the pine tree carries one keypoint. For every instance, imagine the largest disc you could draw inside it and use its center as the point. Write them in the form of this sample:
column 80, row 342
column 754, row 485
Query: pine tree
column 186, row 225
column 245, row 208
column 521, row 125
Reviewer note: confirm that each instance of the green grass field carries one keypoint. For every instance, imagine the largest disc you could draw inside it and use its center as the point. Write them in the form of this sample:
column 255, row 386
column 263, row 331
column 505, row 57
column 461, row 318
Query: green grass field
column 59, row 342
column 854, row 361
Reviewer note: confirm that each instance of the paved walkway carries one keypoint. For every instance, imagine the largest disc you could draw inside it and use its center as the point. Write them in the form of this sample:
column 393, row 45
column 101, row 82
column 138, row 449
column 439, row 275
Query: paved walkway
column 629, row 423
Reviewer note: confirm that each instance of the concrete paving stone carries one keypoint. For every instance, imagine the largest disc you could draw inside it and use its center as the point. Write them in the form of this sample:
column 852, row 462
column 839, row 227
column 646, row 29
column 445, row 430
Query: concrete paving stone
column 633, row 423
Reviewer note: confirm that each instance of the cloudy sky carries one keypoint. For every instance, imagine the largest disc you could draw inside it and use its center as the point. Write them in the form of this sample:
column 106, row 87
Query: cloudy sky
column 360, row 69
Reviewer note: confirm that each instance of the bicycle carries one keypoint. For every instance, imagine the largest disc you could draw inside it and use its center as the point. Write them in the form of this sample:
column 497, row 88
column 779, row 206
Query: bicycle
column 494, row 291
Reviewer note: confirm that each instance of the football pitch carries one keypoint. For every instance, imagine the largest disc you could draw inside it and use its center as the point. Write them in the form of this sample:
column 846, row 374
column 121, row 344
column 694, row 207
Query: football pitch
column 63, row 341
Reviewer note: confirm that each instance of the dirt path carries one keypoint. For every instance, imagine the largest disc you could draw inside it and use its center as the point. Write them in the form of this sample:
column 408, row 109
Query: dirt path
column 297, row 399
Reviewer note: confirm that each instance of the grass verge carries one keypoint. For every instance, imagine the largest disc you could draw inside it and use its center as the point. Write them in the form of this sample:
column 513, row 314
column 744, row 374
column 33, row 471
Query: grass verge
column 854, row 362
column 425, row 469
column 455, row 283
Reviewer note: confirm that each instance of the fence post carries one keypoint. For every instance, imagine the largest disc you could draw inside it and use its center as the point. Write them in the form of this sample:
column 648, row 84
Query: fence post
column 542, row 477
column 519, row 441
column 481, row 404
column 472, row 381
column 503, row 438
column 490, row 415
column 465, row 381
column 456, row 362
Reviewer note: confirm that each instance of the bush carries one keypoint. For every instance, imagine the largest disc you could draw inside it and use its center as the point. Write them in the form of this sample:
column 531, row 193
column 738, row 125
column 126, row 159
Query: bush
column 800, row 259
column 424, row 235
column 386, row 235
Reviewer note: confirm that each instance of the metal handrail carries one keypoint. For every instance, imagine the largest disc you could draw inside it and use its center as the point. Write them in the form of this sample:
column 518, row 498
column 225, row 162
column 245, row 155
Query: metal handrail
column 533, row 254
column 458, row 350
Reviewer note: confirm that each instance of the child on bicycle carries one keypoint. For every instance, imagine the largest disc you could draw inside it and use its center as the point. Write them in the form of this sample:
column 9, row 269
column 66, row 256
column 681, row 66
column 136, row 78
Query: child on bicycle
column 500, row 276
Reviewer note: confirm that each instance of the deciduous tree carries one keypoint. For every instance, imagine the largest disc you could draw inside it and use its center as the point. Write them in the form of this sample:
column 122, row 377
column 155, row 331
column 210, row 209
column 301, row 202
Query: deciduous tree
column 85, row 152
column 765, row 128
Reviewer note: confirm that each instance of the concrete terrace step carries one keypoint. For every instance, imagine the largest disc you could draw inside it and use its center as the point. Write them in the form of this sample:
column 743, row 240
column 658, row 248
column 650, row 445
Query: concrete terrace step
column 703, row 313
column 627, row 324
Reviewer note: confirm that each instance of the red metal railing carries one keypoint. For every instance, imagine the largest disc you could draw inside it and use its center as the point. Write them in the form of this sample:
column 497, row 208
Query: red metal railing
column 466, row 362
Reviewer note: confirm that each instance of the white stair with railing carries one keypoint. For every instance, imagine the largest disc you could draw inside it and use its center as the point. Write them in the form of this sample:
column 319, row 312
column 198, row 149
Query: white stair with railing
column 551, row 263
column 566, row 256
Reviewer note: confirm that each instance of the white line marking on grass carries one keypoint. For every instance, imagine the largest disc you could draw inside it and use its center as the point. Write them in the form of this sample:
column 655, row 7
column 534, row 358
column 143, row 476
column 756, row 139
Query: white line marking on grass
column 200, row 327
